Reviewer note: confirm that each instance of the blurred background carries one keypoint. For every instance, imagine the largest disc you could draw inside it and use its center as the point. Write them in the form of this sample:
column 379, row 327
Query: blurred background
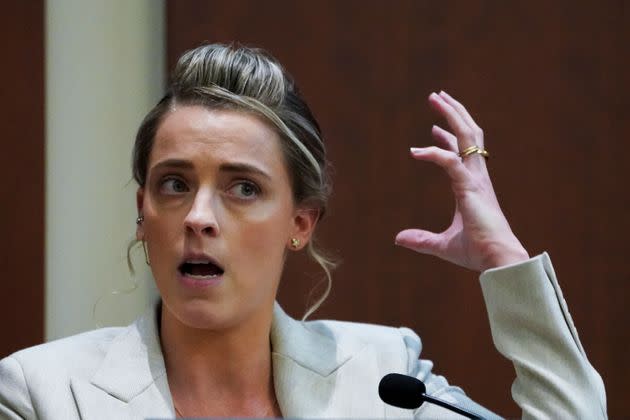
column 547, row 81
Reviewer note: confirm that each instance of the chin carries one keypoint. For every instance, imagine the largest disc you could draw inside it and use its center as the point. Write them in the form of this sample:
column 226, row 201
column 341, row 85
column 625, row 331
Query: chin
column 201, row 314
column 215, row 316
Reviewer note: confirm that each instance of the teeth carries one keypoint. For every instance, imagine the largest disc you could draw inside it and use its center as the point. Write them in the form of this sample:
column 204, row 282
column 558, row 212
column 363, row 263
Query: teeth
column 195, row 276
column 198, row 261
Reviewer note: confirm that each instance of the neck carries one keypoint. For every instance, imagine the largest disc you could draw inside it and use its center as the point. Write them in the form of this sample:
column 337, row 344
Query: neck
column 219, row 372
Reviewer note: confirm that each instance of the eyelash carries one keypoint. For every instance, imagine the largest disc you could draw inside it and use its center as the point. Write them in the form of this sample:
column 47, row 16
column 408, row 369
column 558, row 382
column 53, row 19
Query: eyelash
column 256, row 189
column 172, row 178
column 240, row 183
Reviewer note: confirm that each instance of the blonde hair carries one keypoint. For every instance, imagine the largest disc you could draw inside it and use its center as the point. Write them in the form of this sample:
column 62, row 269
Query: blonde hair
column 219, row 76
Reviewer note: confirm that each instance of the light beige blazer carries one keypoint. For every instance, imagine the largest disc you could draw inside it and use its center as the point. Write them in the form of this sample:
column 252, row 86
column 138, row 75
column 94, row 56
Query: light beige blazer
column 321, row 369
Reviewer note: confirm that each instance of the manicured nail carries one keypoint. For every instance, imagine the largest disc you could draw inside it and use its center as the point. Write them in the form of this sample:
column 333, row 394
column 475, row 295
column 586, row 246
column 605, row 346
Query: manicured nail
column 415, row 150
column 433, row 95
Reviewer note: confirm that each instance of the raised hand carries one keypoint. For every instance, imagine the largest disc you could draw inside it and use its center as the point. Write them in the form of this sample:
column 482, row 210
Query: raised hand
column 479, row 236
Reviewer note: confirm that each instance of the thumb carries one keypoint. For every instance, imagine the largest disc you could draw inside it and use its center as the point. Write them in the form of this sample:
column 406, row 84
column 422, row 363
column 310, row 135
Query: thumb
column 419, row 240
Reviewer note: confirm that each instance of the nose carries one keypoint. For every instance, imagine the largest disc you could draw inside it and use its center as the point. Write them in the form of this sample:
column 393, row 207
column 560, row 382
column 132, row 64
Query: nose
column 201, row 218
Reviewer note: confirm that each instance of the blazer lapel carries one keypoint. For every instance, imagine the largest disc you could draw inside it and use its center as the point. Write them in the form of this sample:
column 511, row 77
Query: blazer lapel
column 131, row 382
column 318, row 374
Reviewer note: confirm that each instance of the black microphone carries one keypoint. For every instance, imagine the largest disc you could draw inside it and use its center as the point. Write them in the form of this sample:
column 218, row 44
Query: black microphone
column 408, row 392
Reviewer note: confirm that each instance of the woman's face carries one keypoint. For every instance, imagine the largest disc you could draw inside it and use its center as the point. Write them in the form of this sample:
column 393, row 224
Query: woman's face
column 218, row 216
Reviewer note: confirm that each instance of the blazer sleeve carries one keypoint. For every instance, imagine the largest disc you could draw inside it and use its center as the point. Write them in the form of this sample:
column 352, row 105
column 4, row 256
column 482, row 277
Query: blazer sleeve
column 15, row 400
column 532, row 327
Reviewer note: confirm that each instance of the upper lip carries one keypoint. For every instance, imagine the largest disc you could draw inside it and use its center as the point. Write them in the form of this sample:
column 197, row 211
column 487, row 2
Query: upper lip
column 199, row 257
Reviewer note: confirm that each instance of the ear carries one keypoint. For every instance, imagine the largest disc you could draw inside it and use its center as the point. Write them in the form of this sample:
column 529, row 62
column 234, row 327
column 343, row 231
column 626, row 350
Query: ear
column 139, row 204
column 304, row 222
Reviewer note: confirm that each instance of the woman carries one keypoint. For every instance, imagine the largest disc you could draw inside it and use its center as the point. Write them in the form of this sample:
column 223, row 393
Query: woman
column 232, row 176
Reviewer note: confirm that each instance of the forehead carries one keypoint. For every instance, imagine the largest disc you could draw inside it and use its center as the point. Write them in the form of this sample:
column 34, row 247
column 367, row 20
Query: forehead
column 200, row 134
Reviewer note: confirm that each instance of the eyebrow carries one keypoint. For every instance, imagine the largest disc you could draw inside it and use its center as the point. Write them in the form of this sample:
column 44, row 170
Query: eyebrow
column 243, row 168
column 235, row 167
column 173, row 163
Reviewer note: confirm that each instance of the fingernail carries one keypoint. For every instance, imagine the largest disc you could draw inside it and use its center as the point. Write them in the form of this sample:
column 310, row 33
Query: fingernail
column 415, row 150
column 433, row 95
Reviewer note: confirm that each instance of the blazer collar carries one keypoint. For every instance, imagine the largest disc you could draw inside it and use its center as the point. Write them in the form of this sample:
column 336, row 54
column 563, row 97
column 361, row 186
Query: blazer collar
column 131, row 381
column 313, row 346
column 134, row 360
column 318, row 372
column 321, row 371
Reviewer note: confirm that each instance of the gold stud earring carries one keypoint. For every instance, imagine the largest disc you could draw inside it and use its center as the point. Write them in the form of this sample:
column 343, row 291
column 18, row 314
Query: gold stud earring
column 295, row 243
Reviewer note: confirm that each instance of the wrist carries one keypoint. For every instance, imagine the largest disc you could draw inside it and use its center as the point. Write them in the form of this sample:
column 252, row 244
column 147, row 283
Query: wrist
column 505, row 255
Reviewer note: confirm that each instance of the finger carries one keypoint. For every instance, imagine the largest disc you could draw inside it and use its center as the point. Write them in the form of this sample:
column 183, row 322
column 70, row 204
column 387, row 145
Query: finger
column 449, row 161
column 463, row 112
column 421, row 241
column 463, row 132
column 466, row 135
column 444, row 138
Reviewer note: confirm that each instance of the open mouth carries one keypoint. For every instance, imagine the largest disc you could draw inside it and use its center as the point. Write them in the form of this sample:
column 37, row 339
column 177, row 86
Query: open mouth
column 200, row 269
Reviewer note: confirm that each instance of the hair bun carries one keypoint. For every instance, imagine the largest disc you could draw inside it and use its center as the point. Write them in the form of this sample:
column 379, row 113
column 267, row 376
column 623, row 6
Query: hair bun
column 244, row 71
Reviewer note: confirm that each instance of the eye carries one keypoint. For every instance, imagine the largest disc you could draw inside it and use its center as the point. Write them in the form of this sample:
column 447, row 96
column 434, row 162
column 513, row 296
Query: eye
column 244, row 190
column 172, row 185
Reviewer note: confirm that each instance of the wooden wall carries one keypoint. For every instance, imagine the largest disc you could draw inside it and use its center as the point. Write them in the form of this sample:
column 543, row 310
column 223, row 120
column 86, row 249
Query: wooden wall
column 22, row 175
column 549, row 83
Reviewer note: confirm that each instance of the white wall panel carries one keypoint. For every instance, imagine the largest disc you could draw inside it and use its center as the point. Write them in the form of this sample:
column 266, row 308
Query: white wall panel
column 105, row 65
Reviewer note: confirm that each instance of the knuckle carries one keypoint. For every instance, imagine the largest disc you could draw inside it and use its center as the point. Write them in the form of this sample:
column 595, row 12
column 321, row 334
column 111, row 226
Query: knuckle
column 476, row 185
column 471, row 186
column 479, row 186
column 452, row 159
column 467, row 132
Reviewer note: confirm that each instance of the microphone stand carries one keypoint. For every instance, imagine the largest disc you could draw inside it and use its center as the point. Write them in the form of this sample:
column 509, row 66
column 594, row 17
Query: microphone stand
column 451, row 407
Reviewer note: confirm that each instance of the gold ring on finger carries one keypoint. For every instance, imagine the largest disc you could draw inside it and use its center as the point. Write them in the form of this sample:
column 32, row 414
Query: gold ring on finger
column 472, row 150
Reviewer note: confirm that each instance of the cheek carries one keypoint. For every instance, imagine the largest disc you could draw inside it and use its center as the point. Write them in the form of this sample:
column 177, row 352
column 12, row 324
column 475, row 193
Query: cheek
column 263, row 232
column 161, row 231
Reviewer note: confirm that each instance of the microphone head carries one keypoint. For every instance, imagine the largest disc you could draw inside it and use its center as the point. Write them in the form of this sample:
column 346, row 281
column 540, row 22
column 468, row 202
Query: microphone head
column 402, row 391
